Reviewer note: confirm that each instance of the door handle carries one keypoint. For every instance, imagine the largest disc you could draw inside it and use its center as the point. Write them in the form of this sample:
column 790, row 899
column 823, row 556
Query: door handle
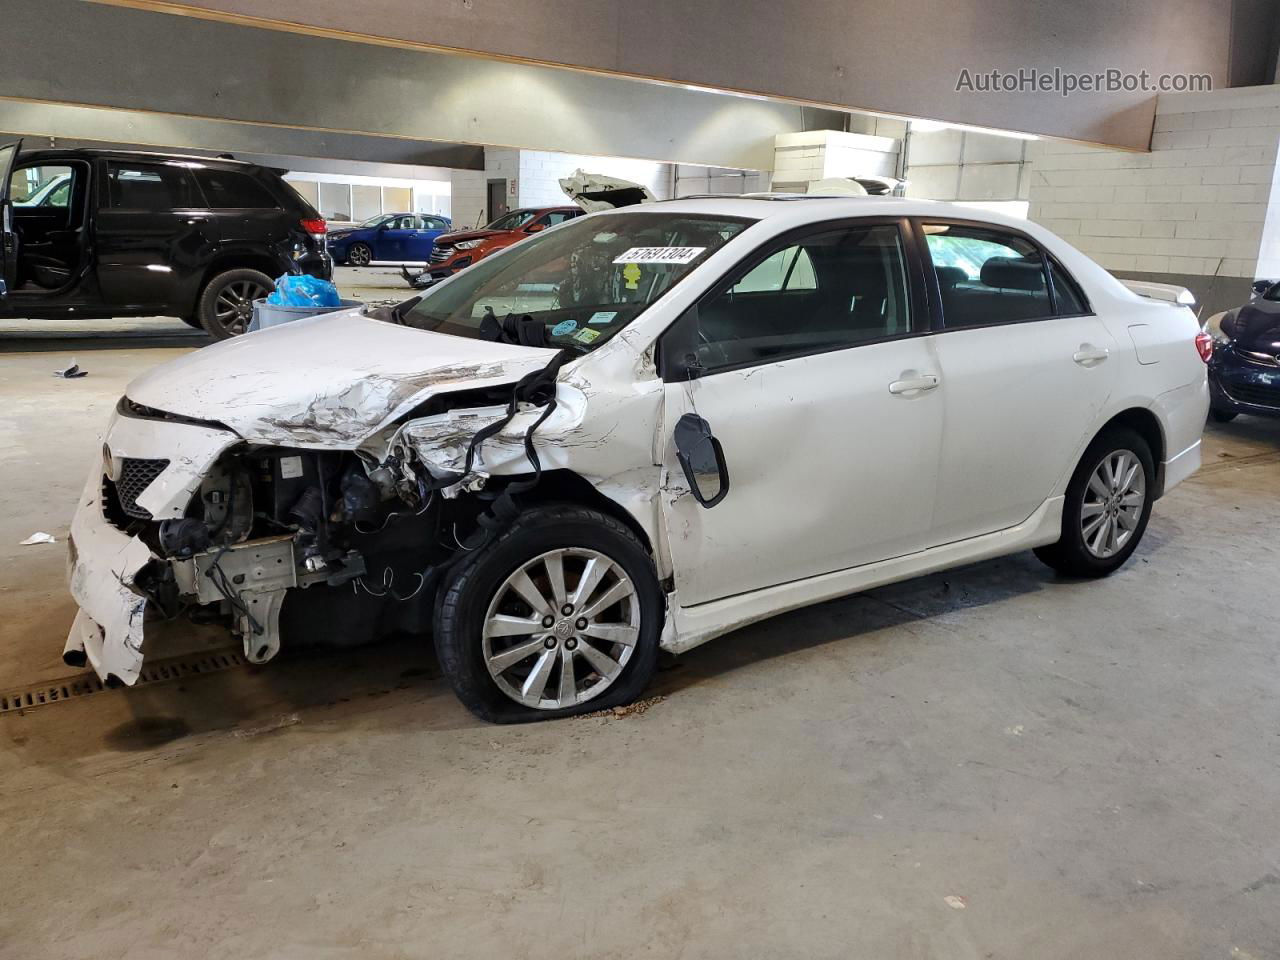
column 1088, row 354
column 913, row 384
column 191, row 221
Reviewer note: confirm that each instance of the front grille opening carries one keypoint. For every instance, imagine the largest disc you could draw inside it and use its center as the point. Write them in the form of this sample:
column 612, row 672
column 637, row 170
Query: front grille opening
column 136, row 475
column 1253, row 394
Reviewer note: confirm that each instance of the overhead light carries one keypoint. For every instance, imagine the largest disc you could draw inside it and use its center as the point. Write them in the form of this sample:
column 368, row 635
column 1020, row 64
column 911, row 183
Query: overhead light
column 933, row 126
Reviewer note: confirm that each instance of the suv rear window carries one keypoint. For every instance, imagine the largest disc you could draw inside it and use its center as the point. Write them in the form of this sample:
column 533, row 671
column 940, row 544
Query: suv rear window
column 229, row 190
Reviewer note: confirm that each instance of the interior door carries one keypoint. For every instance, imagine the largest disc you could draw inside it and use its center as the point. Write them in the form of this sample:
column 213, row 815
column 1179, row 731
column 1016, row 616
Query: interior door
column 813, row 375
column 1026, row 371
column 8, row 236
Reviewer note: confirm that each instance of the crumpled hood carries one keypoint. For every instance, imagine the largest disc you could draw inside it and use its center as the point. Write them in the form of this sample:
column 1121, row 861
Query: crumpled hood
column 1256, row 326
column 328, row 381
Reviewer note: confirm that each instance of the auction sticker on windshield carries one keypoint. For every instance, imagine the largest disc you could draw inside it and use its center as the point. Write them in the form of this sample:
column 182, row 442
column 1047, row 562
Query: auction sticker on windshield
column 659, row 255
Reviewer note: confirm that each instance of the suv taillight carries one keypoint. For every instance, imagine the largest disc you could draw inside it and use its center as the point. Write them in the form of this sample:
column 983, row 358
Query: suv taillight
column 315, row 227
column 1204, row 343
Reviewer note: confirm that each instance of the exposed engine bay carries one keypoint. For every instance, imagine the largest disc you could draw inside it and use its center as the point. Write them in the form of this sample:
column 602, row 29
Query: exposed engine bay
column 332, row 547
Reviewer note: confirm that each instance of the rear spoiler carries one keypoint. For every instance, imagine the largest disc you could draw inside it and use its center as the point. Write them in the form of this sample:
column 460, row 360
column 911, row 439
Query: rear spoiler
column 1166, row 292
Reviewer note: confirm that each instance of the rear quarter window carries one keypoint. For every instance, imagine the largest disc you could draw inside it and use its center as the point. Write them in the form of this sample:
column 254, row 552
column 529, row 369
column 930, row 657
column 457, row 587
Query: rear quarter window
column 232, row 190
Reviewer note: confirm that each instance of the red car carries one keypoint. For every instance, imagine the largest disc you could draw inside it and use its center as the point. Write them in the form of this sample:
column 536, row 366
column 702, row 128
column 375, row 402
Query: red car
column 454, row 251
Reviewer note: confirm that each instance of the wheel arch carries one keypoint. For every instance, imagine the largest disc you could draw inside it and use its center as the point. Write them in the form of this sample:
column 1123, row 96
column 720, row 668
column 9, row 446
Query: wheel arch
column 565, row 486
column 237, row 261
column 1146, row 425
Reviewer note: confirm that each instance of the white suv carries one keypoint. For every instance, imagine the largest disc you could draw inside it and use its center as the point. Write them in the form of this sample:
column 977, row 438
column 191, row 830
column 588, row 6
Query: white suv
column 641, row 429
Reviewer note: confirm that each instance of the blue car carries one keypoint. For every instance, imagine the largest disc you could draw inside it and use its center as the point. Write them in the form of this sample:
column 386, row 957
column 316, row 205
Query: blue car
column 1244, row 372
column 388, row 236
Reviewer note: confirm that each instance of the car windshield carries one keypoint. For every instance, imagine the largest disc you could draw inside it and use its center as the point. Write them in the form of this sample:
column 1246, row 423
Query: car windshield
column 513, row 220
column 373, row 221
column 583, row 281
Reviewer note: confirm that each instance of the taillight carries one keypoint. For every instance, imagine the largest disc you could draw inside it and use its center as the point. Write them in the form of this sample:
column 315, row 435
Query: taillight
column 1204, row 343
column 315, row 227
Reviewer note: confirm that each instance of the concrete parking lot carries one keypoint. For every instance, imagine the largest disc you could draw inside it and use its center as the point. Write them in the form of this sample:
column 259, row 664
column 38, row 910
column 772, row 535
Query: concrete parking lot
column 991, row 762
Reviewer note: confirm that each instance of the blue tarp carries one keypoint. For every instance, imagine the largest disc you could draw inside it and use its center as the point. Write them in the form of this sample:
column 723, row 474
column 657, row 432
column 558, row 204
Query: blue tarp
column 294, row 290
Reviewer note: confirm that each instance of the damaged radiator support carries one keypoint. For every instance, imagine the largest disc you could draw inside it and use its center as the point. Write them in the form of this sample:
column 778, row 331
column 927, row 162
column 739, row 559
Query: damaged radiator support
column 253, row 577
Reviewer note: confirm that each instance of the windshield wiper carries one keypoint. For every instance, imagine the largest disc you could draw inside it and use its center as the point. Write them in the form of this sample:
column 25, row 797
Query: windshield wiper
column 400, row 310
column 394, row 314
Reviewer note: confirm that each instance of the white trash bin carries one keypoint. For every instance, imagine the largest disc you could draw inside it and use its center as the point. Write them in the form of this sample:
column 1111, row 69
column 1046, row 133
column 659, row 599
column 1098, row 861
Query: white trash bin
column 272, row 315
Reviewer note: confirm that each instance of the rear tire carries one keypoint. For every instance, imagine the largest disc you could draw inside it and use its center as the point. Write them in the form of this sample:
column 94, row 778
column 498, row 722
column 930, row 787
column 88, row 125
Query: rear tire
column 1222, row 416
column 611, row 651
column 1103, row 521
column 225, row 306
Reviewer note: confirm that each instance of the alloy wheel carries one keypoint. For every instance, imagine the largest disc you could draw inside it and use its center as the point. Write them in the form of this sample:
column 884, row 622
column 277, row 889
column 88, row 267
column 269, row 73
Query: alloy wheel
column 1112, row 505
column 359, row 255
column 234, row 305
column 561, row 628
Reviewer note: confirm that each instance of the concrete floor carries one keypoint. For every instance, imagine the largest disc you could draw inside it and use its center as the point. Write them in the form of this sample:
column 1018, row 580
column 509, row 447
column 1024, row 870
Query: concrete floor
column 1090, row 768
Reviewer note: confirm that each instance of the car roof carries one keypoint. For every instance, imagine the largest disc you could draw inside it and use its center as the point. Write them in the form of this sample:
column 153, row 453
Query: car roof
column 804, row 208
column 88, row 152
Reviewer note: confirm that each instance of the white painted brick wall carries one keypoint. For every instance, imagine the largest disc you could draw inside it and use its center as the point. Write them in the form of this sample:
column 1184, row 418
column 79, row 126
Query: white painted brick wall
column 1196, row 204
column 467, row 198
column 966, row 165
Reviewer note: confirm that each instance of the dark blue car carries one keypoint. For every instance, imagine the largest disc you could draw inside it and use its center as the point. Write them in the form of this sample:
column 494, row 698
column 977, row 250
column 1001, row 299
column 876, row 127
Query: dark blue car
column 1244, row 373
column 389, row 236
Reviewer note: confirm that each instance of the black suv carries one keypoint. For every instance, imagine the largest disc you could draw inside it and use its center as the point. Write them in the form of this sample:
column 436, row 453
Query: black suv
column 110, row 233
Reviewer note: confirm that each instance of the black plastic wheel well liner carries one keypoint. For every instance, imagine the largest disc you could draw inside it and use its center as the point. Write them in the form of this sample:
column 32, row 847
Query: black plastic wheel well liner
column 565, row 486
column 1144, row 423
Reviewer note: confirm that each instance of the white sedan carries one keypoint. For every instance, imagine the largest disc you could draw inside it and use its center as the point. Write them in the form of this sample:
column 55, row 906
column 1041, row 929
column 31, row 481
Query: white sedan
column 637, row 431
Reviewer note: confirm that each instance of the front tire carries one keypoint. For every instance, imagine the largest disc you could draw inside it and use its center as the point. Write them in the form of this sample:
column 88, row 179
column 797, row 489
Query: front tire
column 1108, row 504
column 225, row 306
column 560, row 615
column 359, row 255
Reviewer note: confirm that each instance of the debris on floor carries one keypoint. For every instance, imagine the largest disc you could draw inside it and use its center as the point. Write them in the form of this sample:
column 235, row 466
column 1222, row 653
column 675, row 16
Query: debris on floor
column 71, row 372
column 38, row 537
column 954, row 902
column 630, row 710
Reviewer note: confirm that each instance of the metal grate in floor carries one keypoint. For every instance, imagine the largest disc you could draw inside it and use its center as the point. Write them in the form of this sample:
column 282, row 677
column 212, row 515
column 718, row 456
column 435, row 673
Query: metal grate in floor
column 84, row 684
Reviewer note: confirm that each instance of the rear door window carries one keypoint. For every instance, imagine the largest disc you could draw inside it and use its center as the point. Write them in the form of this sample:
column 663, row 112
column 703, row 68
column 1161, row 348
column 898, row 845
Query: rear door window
column 149, row 187
column 232, row 190
column 987, row 276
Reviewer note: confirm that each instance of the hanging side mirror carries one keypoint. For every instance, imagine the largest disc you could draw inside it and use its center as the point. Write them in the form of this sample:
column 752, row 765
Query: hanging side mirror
column 1260, row 287
column 702, row 460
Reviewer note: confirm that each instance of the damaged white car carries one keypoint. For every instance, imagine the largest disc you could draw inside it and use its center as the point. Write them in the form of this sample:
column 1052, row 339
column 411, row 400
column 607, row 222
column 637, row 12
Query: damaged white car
column 638, row 430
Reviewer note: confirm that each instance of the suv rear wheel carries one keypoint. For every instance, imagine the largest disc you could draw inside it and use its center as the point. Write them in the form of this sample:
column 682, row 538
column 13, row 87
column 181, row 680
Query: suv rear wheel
column 225, row 306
